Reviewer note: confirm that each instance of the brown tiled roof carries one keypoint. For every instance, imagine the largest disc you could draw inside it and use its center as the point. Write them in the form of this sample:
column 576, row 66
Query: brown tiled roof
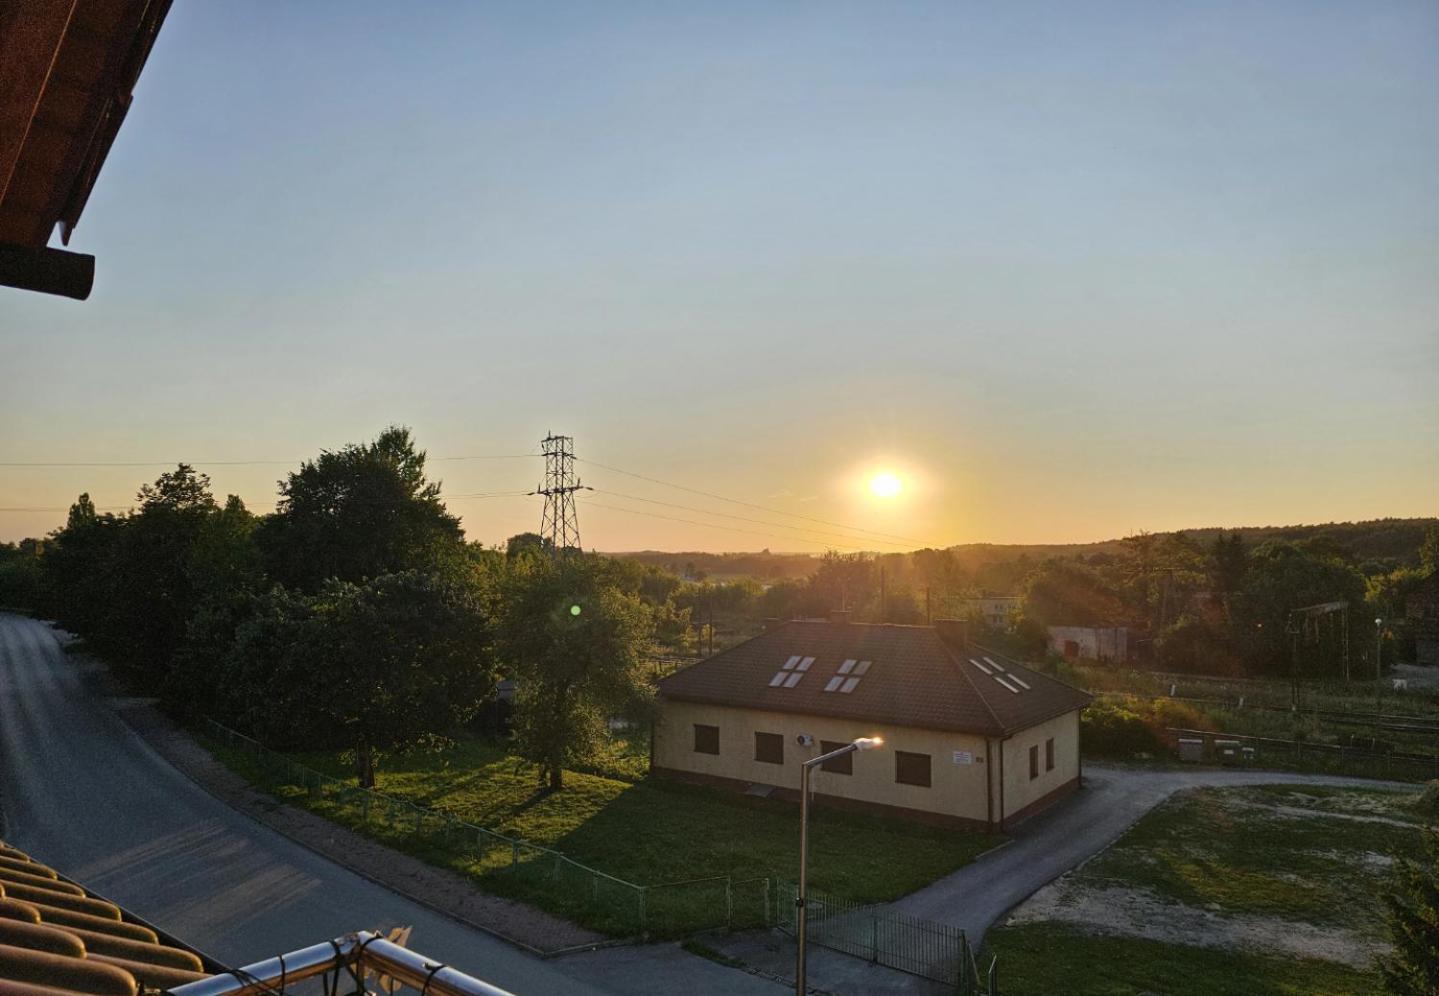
column 57, row 939
column 917, row 678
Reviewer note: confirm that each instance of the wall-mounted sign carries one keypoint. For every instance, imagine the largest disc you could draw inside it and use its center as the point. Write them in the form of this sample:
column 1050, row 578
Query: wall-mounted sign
column 963, row 757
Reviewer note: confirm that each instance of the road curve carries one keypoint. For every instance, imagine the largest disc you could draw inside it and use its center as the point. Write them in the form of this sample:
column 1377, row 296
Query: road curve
column 1054, row 842
column 81, row 792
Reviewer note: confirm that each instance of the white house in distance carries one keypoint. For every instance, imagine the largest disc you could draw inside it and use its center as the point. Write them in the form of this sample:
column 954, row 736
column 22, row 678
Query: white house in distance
column 970, row 737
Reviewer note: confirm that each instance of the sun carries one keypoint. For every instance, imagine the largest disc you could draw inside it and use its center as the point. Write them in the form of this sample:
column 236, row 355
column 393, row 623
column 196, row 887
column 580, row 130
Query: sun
column 885, row 485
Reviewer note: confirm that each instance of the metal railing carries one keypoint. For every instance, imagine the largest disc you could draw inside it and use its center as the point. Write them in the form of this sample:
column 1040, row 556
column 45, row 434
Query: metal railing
column 356, row 954
column 931, row 950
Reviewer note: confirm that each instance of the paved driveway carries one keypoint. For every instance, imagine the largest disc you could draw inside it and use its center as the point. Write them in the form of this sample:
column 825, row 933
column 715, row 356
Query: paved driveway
column 81, row 792
column 1050, row 844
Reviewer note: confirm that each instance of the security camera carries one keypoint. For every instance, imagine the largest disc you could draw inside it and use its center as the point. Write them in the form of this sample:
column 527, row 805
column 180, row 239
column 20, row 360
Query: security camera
column 805, row 740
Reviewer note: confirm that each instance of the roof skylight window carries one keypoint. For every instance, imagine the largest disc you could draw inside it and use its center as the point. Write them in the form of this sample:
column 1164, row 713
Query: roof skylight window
column 791, row 671
column 848, row 675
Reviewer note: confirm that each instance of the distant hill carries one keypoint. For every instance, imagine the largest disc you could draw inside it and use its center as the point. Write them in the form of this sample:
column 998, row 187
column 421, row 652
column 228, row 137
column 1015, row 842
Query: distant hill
column 1375, row 546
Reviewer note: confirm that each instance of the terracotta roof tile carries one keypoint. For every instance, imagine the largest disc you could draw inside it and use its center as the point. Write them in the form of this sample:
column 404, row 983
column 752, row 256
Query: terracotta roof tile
column 56, row 939
column 916, row 678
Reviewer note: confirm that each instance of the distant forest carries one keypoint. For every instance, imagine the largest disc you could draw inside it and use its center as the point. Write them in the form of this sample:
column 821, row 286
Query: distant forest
column 1378, row 546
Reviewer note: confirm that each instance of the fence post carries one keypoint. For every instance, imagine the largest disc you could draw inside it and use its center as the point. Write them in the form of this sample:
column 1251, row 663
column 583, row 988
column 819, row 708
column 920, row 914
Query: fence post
column 643, row 921
column 769, row 922
column 514, row 853
column 728, row 902
column 873, row 938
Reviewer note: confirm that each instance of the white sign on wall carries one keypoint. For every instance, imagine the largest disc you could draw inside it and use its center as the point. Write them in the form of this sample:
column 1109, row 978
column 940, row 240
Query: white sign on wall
column 963, row 757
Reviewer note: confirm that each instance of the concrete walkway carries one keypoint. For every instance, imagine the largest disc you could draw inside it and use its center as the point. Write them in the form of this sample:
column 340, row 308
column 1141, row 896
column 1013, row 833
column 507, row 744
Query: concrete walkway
column 1049, row 845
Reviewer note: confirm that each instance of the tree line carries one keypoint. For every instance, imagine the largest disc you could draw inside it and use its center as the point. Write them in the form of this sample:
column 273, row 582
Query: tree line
column 355, row 617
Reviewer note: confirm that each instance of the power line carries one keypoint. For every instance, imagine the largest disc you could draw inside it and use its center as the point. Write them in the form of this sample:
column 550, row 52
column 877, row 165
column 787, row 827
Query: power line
column 236, row 463
column 122, row 508
column 763, row 508
column 741, row 518
column 714, row 525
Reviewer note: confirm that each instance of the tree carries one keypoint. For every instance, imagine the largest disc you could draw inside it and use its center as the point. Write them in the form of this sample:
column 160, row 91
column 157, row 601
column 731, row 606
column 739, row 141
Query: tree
column 1412, row 969
column 1282, row 577
column 526, row 543
column 1068, row 593
column 359, row 513
column 393, row 664
column 1231, row 562
column 574, row 641
column 1429, row 550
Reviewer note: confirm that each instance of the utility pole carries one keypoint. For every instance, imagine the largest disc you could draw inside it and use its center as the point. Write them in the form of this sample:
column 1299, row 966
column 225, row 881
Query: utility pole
column 559, row 523
column 1378, row 679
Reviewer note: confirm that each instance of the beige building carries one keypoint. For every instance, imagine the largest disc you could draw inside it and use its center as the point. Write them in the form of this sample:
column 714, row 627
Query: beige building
column 970, row 737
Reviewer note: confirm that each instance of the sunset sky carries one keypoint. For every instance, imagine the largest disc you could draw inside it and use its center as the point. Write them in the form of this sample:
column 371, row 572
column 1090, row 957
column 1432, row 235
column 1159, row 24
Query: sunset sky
column 1066, row 271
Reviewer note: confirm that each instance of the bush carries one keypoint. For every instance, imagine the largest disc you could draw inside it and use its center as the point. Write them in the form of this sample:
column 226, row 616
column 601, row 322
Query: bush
column 1125, row 726
column 1115, row 728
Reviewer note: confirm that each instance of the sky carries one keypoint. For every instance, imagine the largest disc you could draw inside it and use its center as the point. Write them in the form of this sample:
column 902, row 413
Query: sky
column 1069, row 271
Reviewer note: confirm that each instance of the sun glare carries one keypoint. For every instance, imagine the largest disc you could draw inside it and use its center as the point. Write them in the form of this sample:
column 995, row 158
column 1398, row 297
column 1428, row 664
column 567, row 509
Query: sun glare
column 885, row 485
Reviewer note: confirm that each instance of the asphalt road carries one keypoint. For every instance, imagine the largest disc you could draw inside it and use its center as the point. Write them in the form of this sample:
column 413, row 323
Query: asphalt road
column 1050, row 844
column 81, row 792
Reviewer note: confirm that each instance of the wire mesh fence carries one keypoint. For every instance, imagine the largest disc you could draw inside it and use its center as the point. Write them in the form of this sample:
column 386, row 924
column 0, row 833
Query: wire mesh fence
column 513, row 867
column 931, row 950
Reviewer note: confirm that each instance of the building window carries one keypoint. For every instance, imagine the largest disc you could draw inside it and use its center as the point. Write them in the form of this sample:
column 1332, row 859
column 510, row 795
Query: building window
column 769, row 748
column 842, row 765
column 1049, row 754
column 1034, row 762
column 911, row 769
column 706, row 739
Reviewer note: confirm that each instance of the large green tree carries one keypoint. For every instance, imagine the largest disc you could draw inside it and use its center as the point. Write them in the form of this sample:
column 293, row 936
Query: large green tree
column 394, row 663
column 363, row 511
column 574, row 640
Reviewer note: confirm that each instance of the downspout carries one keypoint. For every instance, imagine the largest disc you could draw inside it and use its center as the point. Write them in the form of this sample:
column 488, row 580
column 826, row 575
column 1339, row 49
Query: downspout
column 1001, row 784
column 989, row 785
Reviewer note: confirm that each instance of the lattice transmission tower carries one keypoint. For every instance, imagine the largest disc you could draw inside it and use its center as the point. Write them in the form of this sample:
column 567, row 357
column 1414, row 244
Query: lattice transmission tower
column 559, row 523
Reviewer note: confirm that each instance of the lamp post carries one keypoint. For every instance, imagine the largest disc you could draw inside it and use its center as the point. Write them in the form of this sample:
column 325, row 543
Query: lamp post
column 802, row 900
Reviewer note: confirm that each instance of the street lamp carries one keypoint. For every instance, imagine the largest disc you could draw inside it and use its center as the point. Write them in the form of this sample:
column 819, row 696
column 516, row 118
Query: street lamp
column 802, row 900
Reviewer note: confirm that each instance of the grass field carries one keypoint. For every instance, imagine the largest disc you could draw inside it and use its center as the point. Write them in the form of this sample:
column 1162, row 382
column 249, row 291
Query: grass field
column 648, row 832
column 1272, row 889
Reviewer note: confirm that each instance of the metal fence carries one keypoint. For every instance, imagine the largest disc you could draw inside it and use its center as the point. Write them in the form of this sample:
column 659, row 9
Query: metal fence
column 1309, row 756
column 931, row 950
column 510, row 866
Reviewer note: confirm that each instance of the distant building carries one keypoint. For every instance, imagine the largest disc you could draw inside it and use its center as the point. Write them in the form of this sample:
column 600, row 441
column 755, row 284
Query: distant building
column 997, row 611
column 1093, row 643
column 971, row 738
column 1422, row 610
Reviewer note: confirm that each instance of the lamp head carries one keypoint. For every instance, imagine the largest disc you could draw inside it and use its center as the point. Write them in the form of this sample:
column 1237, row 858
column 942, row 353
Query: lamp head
column 869, row 743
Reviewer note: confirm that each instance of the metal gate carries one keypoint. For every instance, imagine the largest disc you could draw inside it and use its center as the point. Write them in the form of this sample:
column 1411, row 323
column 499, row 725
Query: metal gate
column 877, row 934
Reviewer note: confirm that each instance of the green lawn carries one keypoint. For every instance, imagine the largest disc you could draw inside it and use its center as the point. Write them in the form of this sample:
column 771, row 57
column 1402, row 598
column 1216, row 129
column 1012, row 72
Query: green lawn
column 1274, row 862
column 648, row 832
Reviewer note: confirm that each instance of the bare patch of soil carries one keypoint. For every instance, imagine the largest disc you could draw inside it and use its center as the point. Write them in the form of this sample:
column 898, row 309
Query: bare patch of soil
column 1118, row 911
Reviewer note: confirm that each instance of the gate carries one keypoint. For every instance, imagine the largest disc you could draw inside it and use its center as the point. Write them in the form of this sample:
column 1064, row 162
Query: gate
column 931, row 950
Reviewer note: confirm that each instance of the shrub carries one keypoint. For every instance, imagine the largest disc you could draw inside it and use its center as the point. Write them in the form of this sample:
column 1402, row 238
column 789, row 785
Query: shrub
column 1115, row 728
